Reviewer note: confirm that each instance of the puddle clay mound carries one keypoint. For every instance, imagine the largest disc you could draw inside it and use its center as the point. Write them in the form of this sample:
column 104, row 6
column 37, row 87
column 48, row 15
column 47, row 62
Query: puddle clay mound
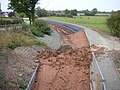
column 79, row 39
column 64, row 70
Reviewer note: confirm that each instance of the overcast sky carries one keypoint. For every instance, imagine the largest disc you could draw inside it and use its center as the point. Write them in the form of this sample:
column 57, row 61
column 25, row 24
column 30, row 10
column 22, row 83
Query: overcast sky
column 101, row 5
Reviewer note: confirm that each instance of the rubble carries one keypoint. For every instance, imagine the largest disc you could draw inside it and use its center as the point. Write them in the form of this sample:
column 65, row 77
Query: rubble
column 64, row 70
column 67, row 68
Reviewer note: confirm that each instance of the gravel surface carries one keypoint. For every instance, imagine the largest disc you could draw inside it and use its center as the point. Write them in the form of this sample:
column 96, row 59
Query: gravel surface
column 53, row 41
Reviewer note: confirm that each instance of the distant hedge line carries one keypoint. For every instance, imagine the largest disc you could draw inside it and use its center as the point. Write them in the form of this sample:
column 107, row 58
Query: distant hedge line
column 113, row 23
column 6, row 22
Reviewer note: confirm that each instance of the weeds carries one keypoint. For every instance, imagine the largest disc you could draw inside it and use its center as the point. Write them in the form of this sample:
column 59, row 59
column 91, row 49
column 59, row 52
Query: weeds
column 2, row 78
column 23, row 84
column 39, row 29
column 13, row 39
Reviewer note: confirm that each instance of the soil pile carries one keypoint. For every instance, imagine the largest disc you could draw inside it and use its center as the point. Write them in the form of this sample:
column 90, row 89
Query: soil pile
column 64, row 70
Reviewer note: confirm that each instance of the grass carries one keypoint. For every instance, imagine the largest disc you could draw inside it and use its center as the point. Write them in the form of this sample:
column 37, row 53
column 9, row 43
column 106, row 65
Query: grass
column 9, row 39
column 23, row 84
column 94, row 22
column 2, row 78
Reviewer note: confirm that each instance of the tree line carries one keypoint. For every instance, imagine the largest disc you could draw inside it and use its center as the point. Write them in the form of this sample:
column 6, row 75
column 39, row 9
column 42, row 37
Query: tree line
column 27, row 7
column 42, row 12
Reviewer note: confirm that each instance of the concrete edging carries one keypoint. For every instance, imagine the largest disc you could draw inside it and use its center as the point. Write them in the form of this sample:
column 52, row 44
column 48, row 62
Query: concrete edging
column 94, row 60
column 32, row 80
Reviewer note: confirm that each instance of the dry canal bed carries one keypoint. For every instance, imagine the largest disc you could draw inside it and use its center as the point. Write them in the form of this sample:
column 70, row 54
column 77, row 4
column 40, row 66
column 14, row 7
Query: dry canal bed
column 67, row 68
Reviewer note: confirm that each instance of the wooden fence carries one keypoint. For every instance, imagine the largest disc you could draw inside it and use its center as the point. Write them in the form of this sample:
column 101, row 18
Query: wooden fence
column 10, row 27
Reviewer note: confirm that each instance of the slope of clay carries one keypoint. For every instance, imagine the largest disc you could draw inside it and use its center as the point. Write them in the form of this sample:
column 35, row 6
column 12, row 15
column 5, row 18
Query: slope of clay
column 79, row 39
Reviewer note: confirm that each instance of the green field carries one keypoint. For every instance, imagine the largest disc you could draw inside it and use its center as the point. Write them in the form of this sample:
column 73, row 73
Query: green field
column 94, row 22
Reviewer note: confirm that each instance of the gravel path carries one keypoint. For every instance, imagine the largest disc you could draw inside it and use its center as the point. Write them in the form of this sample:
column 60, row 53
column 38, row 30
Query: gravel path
column 53, row 41
column 106, row 60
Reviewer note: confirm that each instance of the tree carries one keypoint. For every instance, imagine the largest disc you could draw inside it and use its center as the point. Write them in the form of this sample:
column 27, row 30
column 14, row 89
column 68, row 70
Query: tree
column 24, row 6
column 88, row 13
column 41, row 12
column 113, row 23
column 22, row 15
column 66, row 11
column 94, row 10
column 74, row 12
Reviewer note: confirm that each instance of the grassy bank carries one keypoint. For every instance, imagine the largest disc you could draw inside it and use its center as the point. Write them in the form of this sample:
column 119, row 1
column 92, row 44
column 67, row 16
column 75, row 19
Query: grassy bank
column 94, row 22
column 10, row 39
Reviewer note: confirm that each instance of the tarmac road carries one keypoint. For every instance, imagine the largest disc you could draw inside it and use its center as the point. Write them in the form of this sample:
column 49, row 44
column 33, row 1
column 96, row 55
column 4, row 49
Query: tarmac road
column 66, row 26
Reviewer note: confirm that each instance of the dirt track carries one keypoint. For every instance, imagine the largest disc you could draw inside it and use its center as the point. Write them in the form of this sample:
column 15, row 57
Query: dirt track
column 67, row 68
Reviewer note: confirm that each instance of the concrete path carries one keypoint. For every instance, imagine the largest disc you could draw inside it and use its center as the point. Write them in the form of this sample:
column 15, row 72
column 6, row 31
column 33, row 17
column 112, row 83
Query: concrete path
column 96, row 38
column 105, row 61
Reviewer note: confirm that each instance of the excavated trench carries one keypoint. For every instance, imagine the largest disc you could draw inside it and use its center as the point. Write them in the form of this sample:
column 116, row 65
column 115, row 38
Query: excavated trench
column 67, row 68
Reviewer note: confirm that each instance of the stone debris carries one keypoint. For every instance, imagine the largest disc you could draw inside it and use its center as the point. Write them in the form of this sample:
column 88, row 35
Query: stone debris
column 36, row 61
column 64, row 70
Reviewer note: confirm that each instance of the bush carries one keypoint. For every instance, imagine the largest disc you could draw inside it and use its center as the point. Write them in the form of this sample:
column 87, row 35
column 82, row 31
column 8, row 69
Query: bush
column 47, row 31
column 35, row 30
column 43, row 27
column 37, row 33
column 114, row 23
column 40, row 23
column 25, row 26
column 39, row 29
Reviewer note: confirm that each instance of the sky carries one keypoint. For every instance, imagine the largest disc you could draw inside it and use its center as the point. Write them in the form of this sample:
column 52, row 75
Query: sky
column 101, row 5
